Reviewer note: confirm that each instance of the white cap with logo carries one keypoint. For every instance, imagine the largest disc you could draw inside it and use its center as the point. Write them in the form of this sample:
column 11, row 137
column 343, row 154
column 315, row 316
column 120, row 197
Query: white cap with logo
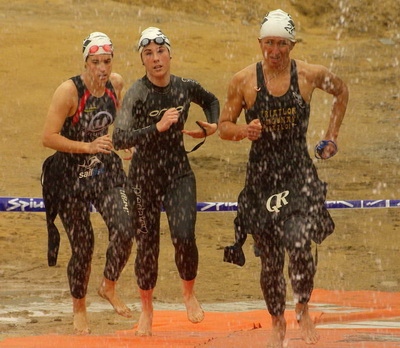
column 97, row 43
column 153, row 34
column 278, row 23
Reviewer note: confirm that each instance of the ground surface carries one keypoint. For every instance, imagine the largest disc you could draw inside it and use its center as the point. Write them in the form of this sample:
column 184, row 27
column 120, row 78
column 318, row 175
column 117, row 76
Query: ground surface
column 41, row 47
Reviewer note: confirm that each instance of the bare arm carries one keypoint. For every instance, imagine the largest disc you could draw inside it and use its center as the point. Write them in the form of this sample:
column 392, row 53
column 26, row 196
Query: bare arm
column 332, row 84
column 228, row 128
column 118, row 84
column 318, row 76
column 63, row 105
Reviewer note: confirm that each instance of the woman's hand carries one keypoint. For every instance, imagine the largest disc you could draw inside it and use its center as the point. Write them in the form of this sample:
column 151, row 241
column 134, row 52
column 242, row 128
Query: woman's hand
column 210, row 128
column 170, row 117
column 101, row 144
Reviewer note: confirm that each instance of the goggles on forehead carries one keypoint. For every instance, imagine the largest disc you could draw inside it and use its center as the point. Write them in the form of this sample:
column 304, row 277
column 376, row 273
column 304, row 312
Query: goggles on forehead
column 159, row 40
column 107, row 48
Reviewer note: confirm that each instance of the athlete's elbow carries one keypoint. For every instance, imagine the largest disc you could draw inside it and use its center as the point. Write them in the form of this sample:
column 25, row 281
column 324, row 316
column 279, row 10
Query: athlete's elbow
column 46, row 140
column 223, row 131
column 223, row 135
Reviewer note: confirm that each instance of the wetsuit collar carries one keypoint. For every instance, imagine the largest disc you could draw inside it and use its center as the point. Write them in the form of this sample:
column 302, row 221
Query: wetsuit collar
column 155, row 88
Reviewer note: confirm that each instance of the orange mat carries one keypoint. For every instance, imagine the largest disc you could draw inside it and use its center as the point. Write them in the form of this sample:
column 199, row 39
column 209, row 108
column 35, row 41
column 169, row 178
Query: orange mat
column 344, row 319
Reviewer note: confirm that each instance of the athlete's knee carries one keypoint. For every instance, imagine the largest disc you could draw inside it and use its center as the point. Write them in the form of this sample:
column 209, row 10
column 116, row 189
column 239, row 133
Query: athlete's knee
column 120, row 223
column 301, row 266
column 123, row 235
column 82, row 253
column 272, row 276
column 185, row 249
column 180, row 241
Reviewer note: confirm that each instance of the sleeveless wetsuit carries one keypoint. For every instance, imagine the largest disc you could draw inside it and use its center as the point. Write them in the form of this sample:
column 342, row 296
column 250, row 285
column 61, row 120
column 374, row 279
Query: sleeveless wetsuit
column 71, row 182
column 160, row 172
column 282, row 203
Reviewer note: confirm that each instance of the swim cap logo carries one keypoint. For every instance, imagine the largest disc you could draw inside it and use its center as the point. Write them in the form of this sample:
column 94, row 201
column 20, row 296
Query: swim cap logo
column 279, row 199
column 290, row 28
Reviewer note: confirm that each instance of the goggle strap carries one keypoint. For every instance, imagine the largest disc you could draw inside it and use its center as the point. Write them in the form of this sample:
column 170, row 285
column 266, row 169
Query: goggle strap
column 202, row 142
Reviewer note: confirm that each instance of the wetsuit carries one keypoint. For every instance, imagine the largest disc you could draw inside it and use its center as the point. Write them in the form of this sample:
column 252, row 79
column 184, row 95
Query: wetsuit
column 282, row 203
column 71, row 182
column 160, row 173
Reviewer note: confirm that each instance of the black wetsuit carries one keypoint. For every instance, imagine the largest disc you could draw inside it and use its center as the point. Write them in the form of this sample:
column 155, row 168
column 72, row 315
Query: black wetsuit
column 71, row 182
column 282, row 204
column 160, row 173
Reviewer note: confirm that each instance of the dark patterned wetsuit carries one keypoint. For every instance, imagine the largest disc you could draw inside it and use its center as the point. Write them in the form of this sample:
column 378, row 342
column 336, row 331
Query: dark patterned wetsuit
column 282, row 204
column 72, row 181
column 160, row 173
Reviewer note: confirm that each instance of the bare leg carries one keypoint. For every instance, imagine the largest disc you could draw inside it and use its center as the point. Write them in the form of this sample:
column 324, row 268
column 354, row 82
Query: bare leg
column 146, row 317
column 194, row 311
column 81, row 324
column 278, row 332
column 107, row 290
column 307, row 327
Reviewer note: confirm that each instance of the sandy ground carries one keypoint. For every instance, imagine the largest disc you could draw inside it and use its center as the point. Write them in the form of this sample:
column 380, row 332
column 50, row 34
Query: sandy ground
column 41, row 47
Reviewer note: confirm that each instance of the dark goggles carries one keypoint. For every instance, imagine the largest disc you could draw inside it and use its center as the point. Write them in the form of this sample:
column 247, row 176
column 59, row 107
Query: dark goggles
column 159, row 40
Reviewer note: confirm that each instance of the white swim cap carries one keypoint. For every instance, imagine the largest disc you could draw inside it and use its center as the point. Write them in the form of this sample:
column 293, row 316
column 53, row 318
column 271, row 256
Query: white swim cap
column 278, row 23
column 97, row 43
column 152, row 34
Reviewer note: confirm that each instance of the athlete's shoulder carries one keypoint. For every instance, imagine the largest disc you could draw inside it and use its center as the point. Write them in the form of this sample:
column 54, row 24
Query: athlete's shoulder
column 67, row 88
column 245, row 76
column 184, row 80
column 139, row 83
column 117, row 81
column 66, row 97
column 137, row 91
column 309, row 71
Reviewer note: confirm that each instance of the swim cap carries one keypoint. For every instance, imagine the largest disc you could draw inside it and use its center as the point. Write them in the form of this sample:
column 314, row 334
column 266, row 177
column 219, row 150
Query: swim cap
column 152, row 34
column 278, row 23
column 97, row 43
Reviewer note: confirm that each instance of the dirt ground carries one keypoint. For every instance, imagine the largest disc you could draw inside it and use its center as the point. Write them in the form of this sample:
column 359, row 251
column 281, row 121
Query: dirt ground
column 41, row 47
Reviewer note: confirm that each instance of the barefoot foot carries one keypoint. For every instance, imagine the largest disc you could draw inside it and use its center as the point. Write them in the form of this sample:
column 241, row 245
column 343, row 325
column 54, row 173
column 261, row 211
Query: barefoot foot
column 194, row 311
column 278, row 332
column 145, row 324
column 107, row 290
column 307, row 326
column 81, row 324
